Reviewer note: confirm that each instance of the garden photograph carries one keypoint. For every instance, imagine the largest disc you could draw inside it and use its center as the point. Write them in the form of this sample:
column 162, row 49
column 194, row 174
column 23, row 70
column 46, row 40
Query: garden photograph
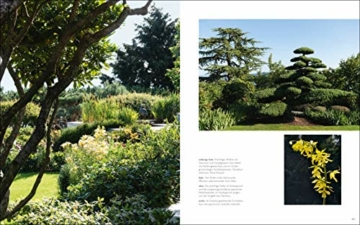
column 312, row 169
column 279, row 74
column 89, row 112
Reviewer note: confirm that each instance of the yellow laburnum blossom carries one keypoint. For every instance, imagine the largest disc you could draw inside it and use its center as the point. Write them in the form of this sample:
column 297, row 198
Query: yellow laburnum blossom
column 332, row 175
column 298, row 145
column 317, row 171
column 307, row 149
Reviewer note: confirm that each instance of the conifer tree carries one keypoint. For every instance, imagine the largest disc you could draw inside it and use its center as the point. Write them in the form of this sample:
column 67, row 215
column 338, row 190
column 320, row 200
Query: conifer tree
column 229, row 55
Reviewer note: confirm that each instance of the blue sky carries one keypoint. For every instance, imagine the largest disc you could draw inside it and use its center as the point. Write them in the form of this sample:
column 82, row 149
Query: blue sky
column 332, row 40
column 123, row 35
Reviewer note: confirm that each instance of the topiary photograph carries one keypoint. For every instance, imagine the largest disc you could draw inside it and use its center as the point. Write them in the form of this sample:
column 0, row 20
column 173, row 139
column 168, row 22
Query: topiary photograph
column 266, row 75
column 312, row 170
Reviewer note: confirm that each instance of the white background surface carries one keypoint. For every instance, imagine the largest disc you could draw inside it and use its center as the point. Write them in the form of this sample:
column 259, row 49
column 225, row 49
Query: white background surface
column 263, row 185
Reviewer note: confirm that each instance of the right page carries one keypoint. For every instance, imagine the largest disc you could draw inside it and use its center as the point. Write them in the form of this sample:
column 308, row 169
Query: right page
column 270, row 123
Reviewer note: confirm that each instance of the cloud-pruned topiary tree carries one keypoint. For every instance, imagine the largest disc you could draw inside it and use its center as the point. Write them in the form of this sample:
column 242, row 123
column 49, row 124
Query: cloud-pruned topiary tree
column 304, row 84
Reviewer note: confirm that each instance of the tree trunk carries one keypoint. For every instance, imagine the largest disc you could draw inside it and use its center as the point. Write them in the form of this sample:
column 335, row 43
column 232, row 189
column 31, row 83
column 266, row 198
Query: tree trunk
column 4, row 205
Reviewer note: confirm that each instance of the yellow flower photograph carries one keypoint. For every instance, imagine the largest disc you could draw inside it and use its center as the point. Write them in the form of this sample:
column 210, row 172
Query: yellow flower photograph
column 312, row 169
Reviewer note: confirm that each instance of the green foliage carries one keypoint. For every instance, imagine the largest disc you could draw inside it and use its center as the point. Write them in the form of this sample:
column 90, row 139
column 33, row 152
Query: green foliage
column 145, row 62
column 36, row 159
column 265, row 93
column 149, row 167
column 209, row 92
column 346, row 77
column 99, row 110
column 135, row 210
column 8, row 95
column 130, row 133
column 329, row 97
column 31, row 113
column 304, row 81
column 267, row 80
column 340, row 108
column 304, row 51
column 136, row 100
column 215, row 120
column 74, row 134
column 244, row 111
column 166, row 109
column 329, row 117
column 109, row 89
column 81, row 156
column 230, row 54
column 51, row 211
column 234, row 91
column 153, row 91
column 128, row 116
column 174, row 73
column 46, row 31
column 294, row 91
column 273, row 109
column 132, row 210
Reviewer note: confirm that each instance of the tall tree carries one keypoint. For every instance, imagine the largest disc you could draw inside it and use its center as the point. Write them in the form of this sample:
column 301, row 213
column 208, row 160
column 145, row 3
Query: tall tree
column 49, row 45
column 347, row 75
column 145, row 62
column 230, row 54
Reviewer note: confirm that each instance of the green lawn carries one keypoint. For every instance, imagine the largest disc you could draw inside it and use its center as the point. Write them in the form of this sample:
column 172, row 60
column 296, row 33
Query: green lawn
column 23, row 183
column 290, row 127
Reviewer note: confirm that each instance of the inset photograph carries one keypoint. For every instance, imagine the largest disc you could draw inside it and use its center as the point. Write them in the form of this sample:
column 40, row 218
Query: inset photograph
column 279, row 75
column 312, row 170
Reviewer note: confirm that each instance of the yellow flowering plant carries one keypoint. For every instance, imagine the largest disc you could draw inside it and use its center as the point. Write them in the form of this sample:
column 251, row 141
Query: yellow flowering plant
column 319, row 159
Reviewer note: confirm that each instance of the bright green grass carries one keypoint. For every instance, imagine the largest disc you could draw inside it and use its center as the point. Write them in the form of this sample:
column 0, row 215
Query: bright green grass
column 291, row 127
column 23, row 183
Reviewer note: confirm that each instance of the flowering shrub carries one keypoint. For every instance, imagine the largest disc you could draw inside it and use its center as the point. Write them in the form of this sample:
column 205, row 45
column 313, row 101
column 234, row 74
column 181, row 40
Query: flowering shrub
column 149, row 167
column 81, row 156
column 319, row 159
